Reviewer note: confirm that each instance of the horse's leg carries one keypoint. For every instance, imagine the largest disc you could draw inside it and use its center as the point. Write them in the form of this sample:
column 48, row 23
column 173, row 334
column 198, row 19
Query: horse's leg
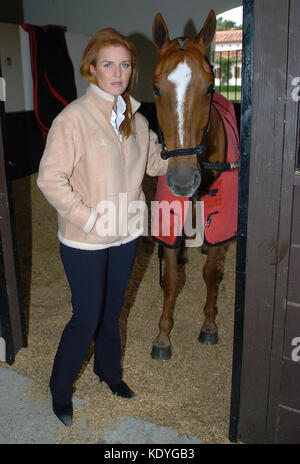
column 212, row 274
column 162, row 346
column 182, row 257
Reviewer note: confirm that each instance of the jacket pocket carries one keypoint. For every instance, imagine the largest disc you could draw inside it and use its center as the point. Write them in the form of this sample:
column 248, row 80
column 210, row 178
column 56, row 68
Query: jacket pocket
column 208, row 220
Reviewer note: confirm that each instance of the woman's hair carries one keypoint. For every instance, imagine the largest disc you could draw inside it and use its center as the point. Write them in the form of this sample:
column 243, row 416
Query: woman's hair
column 105, row 38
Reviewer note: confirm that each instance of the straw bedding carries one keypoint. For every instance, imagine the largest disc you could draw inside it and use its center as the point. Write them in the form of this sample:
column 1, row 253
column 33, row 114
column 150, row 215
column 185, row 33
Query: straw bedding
column 189, row 393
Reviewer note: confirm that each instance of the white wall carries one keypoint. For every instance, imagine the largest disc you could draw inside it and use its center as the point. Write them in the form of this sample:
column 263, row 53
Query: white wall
column 131, row 17
column 128, row 16
column 76, row 44
column 83, row 18
column 16, row 65
column 11, row 66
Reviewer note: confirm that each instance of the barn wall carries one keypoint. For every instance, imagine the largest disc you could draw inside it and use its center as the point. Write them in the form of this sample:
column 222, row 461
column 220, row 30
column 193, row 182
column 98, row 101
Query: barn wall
column 24, row 152
column 12, row 12
column 270, row 376
column 12, row 321
column 134, row 17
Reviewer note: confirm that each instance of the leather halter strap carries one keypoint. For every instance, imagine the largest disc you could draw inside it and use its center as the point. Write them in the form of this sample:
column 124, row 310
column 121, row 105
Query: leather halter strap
column 198, row 150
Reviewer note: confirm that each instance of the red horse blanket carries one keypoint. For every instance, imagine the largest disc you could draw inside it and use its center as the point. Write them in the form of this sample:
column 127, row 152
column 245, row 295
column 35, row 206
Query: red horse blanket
column 220, row 202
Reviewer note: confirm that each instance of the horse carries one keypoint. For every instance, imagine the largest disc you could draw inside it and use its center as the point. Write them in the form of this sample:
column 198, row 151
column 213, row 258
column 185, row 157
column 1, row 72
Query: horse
column 193, row 137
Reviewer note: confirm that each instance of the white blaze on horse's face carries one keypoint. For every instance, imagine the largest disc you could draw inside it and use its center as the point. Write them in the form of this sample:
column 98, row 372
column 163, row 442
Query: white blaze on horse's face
column 180, row 77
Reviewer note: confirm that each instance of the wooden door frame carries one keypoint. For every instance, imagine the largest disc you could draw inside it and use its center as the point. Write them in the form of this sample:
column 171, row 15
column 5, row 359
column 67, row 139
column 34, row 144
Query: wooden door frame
column 268, row 138
column 241, row 247
column 12, row 318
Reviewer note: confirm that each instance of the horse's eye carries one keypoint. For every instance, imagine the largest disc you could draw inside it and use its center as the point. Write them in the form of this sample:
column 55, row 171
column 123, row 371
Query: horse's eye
column 210, row 89
column 156, row 91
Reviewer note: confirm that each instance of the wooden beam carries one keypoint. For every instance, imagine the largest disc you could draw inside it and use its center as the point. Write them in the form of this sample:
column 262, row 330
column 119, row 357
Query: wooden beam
column 285, row 255
column 270, row 45
column 245, row 147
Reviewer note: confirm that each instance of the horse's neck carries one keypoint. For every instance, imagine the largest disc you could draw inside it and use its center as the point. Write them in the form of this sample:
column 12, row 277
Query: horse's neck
column 215, row 146
column 215, row 139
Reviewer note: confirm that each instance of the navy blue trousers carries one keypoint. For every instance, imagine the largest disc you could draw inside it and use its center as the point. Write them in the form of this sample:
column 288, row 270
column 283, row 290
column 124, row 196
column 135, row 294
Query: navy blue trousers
column 98, row 281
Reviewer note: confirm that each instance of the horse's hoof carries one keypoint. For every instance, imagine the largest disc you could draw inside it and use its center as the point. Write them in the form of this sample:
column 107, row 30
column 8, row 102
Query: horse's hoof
column 208, row 338
column 161, row 352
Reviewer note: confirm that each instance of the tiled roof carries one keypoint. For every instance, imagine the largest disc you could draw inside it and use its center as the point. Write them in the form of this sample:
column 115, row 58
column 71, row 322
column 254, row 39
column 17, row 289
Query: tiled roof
column 229, row 36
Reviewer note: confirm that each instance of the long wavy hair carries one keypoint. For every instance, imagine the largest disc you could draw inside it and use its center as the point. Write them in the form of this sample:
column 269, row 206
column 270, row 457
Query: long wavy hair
column 104, row 38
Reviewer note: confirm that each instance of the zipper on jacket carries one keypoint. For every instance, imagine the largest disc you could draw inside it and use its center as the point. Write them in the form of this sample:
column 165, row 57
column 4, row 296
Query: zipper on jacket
column 124, row 212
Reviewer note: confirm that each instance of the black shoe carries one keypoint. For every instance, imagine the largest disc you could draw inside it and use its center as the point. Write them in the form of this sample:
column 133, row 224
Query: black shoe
column 64, row 412
column 120, row 389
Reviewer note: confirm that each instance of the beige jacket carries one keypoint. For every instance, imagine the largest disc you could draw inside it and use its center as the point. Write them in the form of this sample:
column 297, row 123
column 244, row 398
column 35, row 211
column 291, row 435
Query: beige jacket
column 92, row 179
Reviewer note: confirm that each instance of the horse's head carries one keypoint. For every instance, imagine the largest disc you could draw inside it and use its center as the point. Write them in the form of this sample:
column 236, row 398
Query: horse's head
column 182, row 84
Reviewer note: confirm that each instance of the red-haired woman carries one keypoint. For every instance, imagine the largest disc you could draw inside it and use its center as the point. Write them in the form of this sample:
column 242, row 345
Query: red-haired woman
column 98, row 150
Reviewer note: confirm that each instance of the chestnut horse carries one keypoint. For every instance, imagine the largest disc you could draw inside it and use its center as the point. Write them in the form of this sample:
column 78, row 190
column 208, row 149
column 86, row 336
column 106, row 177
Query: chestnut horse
column 183, row 85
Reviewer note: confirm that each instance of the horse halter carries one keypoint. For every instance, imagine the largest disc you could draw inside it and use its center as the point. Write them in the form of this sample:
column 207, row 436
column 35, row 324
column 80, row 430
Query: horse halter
column 200, row 149
column 197, row 150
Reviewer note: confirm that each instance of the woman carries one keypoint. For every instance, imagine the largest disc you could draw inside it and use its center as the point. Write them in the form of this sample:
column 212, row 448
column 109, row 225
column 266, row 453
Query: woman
column 97, row 152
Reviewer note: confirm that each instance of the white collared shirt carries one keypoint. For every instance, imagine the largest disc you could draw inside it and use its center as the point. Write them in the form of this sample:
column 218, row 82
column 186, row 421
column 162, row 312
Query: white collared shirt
column 118, row 117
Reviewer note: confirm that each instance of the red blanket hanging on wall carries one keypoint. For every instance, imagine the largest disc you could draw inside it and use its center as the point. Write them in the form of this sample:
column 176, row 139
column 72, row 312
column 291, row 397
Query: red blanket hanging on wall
column 52, row 73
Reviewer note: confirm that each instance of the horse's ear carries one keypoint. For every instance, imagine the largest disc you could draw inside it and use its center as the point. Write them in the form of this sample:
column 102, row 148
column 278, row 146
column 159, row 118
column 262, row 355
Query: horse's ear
column 160, row 33
column 206, row 35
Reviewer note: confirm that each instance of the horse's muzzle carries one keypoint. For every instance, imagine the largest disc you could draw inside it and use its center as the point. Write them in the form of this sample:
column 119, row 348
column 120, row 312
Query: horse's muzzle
column 183, row 186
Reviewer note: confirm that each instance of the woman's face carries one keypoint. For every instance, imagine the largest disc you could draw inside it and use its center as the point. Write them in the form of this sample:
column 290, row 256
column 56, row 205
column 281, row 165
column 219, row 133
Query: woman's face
column 113, row 69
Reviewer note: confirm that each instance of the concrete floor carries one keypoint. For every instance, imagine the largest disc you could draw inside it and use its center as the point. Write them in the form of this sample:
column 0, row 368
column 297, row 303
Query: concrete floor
column 26, row 420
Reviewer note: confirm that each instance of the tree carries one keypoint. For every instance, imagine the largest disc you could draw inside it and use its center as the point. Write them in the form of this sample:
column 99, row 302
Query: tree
column 227, row 25
column 226, row 70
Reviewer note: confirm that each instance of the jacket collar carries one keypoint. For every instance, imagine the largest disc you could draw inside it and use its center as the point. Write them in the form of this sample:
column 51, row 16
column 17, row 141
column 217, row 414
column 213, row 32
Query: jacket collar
column 94, row 89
